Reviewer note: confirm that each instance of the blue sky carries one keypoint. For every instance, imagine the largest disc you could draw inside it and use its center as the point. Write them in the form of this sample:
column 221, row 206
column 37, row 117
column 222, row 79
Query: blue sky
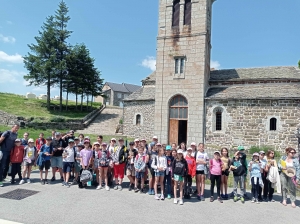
column 121, row 36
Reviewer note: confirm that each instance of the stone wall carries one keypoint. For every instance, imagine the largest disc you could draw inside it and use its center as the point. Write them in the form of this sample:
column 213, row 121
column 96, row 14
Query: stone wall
column 247, row 122
column 146, row 110
column 9, row 119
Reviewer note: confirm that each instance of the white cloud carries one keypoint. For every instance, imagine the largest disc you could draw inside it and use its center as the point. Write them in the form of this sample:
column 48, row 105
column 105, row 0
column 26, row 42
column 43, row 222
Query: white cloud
column 215, row 64
column 16, row 58
column 7, row 39
column 10, row 76
column 9, row 22
column 149, row 62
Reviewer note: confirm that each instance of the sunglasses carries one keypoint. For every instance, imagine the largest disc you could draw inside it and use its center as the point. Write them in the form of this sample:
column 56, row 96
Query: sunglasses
column 293, row 152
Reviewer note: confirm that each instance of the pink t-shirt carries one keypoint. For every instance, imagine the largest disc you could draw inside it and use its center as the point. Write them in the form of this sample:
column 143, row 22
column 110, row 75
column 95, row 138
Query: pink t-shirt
column 216, row 167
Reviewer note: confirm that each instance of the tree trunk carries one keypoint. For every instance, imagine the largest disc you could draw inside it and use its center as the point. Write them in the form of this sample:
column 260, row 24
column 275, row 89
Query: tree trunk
column 81, row 100
column 60, row 92
column 67, row 100
column 76, row 99
column 48, row 92
column 92, row 101
column 87, row 102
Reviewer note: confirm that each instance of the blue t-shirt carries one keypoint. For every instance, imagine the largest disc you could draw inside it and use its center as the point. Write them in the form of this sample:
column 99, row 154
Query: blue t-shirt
column 255, row 172
column 9, row 141
column 46, row 148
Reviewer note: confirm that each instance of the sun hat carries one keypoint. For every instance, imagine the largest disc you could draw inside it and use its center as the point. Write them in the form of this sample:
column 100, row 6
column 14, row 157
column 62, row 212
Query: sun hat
column 179, row 151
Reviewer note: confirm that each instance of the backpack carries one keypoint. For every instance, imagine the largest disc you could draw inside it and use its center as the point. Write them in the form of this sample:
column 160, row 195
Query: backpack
column 86, row 176
column 1, row 133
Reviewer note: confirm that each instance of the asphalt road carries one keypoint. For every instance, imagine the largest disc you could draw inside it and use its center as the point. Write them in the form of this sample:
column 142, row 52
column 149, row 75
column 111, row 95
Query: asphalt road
column 57, row 204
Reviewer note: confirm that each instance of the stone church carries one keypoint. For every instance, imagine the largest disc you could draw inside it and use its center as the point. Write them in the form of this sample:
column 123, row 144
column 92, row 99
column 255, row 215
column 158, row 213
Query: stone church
column 185, row 100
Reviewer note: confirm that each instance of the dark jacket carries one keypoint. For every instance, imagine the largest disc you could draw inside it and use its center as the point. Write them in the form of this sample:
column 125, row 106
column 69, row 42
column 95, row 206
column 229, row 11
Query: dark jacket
column 123, row 155
column 241, row 170
column 179, row 167
column 135, row 152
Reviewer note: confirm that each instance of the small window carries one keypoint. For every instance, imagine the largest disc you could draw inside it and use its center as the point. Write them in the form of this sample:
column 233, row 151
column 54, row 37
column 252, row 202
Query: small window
column 273, row 124
column 119, row 95
column 138, row 119
column 218, row 121
column 187, row 12
column 179, row 65
column 176, row 13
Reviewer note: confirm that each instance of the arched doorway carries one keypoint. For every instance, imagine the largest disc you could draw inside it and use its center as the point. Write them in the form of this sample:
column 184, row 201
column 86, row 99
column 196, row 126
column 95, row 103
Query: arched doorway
column 178, row 117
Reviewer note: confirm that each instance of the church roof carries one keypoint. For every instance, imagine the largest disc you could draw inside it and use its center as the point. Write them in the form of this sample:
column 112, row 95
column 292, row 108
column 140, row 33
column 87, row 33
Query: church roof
column 258, row 91
column 279, row 72
column 144, row 93
column 124, row 87
column 150, row 80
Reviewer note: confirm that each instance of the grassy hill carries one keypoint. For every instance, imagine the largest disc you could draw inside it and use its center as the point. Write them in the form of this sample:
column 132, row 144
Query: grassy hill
column 37, row 109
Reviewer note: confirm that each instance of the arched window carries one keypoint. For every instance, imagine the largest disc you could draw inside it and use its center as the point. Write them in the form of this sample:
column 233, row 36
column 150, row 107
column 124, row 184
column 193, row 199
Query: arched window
column 273, row 124
column 176, row 13
column 179, row 107
column 138, row 119
column 219, row 120
column 187, row 12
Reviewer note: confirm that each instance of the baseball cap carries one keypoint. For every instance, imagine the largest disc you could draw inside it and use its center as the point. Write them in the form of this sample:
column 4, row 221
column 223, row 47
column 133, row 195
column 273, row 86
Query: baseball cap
column 71, row 140
column 113, row 139
column 96, row 143
column 86, row 141
column 155, row 137
column 180, row 151
column 262, row 152
column 255, row 154
column 76, row 138
column 136, row 140
column 30, row 140
column 131, row 143
column 215, row 152
column 168, row 147
column 80, row 145
column 17, row 140
column 240, row 147
column 87, row 137
column 57, row 133
column 193, row 143
column 104, row 144
column 189, row 148
column 143, row 140
column 49, row 139
column 121, row 140
column 158, row 144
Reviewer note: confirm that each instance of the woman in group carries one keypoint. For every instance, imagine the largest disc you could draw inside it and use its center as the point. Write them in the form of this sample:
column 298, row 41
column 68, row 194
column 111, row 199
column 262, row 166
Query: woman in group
column 225, row 172
column 182, row 146
column 271, row 164
column 96, row 149
column 104, row 160
column 286, row 164
column 201, row 170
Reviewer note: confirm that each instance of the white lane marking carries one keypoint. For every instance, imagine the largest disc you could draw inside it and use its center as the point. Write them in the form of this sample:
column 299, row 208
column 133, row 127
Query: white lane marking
column 2, row 221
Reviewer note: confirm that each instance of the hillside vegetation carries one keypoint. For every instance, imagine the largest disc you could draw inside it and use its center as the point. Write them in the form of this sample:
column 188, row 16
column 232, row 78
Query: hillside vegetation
column 36, row 109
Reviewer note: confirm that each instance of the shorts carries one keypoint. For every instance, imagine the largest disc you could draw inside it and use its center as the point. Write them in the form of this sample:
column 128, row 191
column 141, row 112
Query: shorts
column 152, row 172
column 225, row 173
column 119, row 170
column 28, row 164
column 160, row 174
column 139, row 175
column 178, row 178
column 45, row 164
column 77, row 167
column 67, row 167
column 57, row 162
column 200, row 172
column 130, row 171
column 96, row 164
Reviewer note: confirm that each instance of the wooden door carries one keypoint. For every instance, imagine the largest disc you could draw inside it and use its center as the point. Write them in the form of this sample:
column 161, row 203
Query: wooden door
column 173, row 131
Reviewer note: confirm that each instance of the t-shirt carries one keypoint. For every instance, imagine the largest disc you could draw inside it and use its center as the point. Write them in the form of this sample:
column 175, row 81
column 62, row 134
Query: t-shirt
column 57, row 144
column 46, row 148
column 255, row 171
column 39, row 142
column 201, row 155
column 30, row 152
column 17, row 154
column 103, row 158
column 152, row 155
column 9, row 141
column 24, row 142
column 86, row 155
column 225, row 162
column 263, row 163
column 216, row 167
column 70, row 154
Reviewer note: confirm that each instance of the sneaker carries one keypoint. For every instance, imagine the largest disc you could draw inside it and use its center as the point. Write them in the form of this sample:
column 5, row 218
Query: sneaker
column 42, row 182
column 62, row 179
column 212, row 199
column 175, row 201
column 232, row 194
column 195, row 192
column 185, row 196
column 1, row 184
column 12, row 181
column 46, row 181
column 149, row 192
column 63, row 183
column 98, row 187
column 252, row 200
column 22, row 182
column 68, row 185
column 180, row 201
column 226, row 196
column 162, row 197
column 199, row 197
column 75, row 182
column 223, row 196
column 202, row 198
column 246, row 197
column 156, row 197
column 169, row 196
column 120, row 188
column 235, row 198
column 136, row 190
column 152, row 191
column 53, row 179
column 256, row 201
column 142, row 191
column 242, row 199
column 107, row 188
column 260, row 199
column 220, row 200
column 28, row 181
column 116, row 187
column 130, row 187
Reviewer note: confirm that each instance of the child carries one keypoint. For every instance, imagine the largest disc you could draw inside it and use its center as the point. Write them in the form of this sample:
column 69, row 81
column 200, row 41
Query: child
column 255, row 169
column 159, row 165
column 225, row 172
column 140, row 165
column 29, row 160
column 202, row 159
column 119, row 159
column 86, row 155
column 45, row 154
column 239, row 170
column 77, row 166
column 96, row 149
column 191, row 173
column 104, row 160
column 68, row 161
column 152, row 154
column 264, row 173
column 40, row 141
column 168, row 172
column 130, row 171
column 180, row 169
column 16, row 158
column 215, row 168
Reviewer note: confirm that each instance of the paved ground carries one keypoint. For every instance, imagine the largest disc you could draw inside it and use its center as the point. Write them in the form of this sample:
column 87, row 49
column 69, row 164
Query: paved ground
column 61, row 205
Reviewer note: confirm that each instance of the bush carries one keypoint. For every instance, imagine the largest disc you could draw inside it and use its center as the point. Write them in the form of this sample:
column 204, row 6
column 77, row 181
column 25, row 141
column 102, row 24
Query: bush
column 57, row 119
column 254, row 149
column 121, row 121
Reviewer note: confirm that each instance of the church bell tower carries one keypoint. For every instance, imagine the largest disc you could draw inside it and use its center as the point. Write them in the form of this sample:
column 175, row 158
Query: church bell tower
column 182, row 70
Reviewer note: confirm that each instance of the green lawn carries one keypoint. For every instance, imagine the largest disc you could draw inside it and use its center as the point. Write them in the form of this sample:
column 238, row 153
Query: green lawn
column 37, row 109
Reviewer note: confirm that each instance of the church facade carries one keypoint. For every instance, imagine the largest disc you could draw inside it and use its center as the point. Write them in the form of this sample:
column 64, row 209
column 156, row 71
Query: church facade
column 185, row 101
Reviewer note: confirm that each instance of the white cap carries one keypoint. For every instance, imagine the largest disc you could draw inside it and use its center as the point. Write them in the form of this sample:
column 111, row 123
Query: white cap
column 180, row 151
column 136, row 140
column 155, row 137
column 217, row 152
column 194, row 143
column 113, row 139
column 96, row 143
column 189, row 148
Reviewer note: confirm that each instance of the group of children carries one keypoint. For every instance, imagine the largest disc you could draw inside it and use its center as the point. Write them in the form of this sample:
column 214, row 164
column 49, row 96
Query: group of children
column 165, row 167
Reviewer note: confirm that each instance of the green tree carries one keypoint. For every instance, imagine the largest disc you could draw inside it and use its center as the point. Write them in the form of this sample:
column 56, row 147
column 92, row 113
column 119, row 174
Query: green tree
column 40, row 61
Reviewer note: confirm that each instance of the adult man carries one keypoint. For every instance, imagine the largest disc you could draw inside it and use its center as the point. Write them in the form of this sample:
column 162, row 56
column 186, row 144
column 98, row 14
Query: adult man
column 7, row 142
column 25, row 138
column 56, row 161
